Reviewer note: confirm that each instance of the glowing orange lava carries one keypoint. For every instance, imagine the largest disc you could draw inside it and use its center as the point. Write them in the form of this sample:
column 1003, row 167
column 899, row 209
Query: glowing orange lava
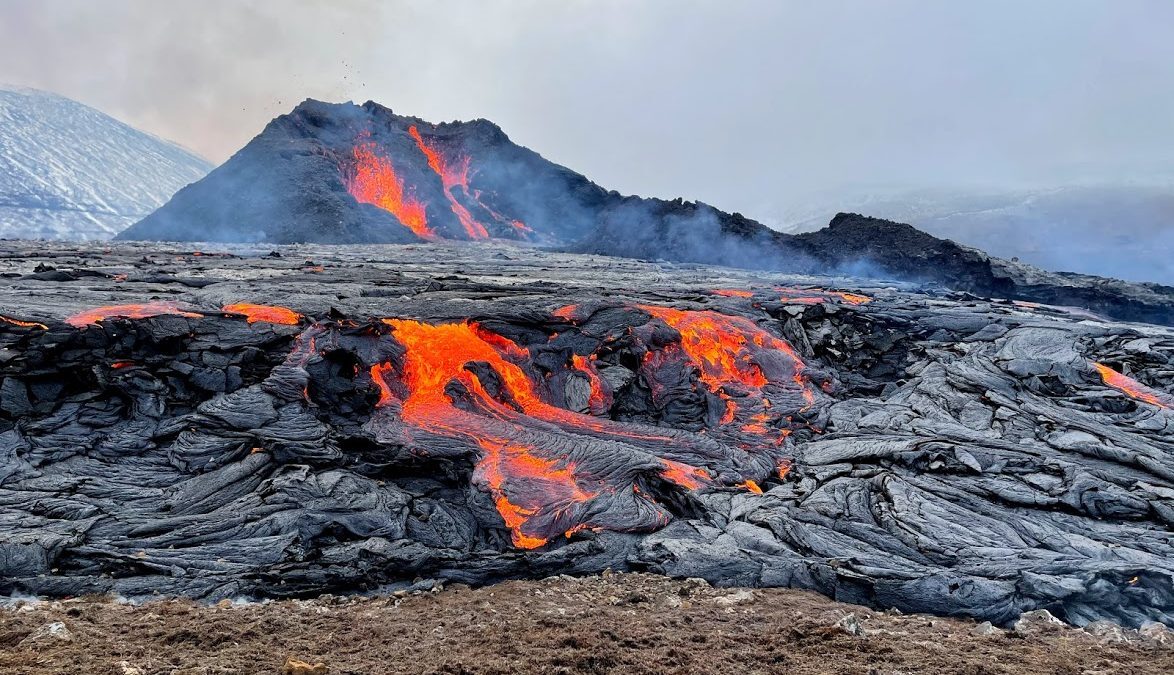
column 567, row 313
column 451, row 177
column 373, row 180
column 733, row 293
column 463, row 381
column 23, row 324
column 265, row 313
column 815, row 296
column 140, row 311
column 437, row 355
column 723, row 348
column 752, row 486
column 600, row 399
column 690, row 477
column 502, row 461
column 1133, row 388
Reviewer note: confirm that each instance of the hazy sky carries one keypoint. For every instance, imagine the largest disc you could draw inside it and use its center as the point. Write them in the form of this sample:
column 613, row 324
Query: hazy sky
column 744, row 104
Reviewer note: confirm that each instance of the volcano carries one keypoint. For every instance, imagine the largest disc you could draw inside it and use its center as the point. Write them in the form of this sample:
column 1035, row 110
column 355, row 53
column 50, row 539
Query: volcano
column 347, row 174
column 348, row 419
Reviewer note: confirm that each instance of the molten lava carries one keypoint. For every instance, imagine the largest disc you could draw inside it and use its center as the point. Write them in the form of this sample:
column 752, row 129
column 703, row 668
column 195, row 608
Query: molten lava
column 752, row 487
column 689, row 477
column 372, row 180
column 139, row 311
column 728, row 353
column 23, row 324
column 438, row 355
column 816, row 296
column 600, row 399
column 452, row 176
column 265, row 313
column 503, row 462
column 733, row 293
column 1134, row 389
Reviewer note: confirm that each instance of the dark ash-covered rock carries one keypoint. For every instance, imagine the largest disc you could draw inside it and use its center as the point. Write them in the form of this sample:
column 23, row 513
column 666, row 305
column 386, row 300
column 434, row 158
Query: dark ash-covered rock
column 933, row 452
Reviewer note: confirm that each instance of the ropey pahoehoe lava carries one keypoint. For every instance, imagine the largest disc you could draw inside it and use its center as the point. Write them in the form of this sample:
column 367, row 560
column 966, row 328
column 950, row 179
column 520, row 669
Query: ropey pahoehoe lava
column 353, row 418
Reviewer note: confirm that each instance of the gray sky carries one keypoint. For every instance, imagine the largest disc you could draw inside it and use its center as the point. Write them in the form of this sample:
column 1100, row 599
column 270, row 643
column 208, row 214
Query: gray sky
column 744, row 104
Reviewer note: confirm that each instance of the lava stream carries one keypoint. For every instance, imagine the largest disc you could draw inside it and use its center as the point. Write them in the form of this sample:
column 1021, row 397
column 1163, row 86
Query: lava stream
column 137, row 311
column 600, row 399
column 1133, row 388
column 451, row 177
column 724, row 349
column 437, row 355
column 816, row 296
column 23, row 324
column 264, row 313
column 373, row 180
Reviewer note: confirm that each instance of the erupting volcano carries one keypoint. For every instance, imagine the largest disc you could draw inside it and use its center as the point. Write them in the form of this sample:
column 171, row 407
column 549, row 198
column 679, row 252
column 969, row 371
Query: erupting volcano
column 340, row 173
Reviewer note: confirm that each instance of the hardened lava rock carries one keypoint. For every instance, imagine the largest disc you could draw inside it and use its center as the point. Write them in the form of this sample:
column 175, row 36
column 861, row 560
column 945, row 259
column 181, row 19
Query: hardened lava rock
column 348, row 419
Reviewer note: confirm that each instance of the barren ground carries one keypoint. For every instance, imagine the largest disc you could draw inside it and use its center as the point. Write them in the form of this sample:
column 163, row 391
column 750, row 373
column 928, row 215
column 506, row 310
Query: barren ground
column 623, row 623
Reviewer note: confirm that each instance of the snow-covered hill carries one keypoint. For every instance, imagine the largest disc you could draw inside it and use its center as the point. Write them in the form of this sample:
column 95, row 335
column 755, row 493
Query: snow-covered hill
column 68, row 171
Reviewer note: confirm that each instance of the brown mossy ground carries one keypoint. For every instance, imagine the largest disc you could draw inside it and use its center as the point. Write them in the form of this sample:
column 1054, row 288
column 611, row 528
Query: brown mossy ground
column 622, row 623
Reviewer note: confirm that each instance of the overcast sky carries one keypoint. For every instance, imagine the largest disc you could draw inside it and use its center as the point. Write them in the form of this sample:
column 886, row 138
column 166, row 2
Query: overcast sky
column 745, row 104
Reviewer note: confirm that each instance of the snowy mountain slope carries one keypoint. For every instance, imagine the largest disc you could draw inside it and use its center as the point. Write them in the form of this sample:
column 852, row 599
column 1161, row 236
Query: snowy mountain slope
column 68, row 171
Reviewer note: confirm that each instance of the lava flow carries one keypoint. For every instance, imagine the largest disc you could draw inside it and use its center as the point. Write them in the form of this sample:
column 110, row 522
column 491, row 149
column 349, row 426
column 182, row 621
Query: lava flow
column 372, row 180
column 729, row 353
column 1134, row 389
column 452, row 177
column 264, row 313
column 550, row 471
column 23, row 324
column 138, row 311
column 600, row 399
column 438, row 355
column 816, row 296
column 734, row 293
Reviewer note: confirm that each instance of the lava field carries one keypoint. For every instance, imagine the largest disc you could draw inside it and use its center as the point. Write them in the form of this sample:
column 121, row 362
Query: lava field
column 282, row 423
